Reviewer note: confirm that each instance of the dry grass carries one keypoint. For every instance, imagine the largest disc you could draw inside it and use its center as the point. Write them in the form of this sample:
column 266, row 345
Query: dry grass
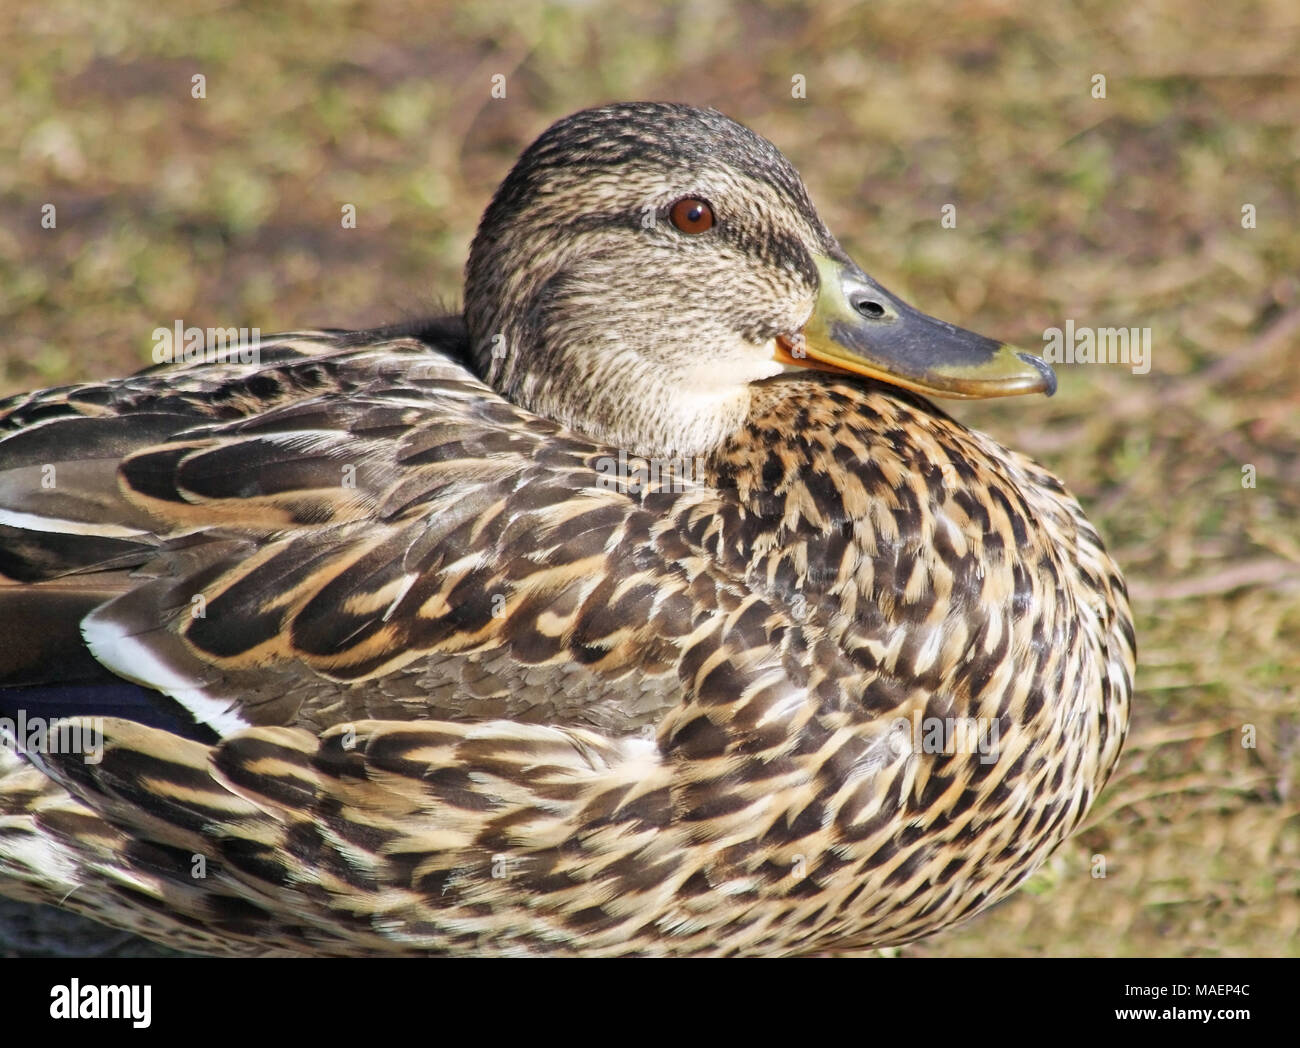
column 1117, row 212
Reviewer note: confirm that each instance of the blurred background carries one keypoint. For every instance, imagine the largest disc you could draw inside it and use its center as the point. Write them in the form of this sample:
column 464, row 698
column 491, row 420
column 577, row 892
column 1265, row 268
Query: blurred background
column 1171, row 203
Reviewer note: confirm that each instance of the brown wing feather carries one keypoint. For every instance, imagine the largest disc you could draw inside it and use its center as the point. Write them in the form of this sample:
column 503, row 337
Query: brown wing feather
column 406, row 544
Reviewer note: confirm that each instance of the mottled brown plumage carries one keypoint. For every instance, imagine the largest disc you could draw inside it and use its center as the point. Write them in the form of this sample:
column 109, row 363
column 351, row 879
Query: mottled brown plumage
column 455, row 672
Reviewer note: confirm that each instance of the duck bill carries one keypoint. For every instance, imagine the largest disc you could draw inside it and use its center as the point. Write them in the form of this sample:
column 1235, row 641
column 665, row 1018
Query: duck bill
column 859, row 327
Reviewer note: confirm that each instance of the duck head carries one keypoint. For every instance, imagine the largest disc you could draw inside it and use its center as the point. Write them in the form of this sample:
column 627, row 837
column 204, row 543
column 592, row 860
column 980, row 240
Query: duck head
column 643, row 264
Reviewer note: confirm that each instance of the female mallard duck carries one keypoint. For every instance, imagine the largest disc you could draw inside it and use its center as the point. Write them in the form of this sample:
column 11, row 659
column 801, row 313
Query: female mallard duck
column 642, row 610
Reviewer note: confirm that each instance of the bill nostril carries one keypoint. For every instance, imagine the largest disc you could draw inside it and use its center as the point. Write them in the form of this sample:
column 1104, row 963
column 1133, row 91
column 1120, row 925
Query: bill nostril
column 869, row 308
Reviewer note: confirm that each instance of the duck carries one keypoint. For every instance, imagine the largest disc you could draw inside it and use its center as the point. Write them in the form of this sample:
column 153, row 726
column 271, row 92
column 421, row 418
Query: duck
column 647, row 606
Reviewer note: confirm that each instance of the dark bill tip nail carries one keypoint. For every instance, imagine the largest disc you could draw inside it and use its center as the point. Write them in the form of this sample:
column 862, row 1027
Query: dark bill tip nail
column 1044, row 369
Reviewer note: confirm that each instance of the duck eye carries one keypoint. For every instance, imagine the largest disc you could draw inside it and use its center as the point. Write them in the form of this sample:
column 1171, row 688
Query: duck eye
column 691, row 215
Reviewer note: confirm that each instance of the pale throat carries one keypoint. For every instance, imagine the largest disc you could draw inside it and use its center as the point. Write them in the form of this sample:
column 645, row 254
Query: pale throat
column 670, row 408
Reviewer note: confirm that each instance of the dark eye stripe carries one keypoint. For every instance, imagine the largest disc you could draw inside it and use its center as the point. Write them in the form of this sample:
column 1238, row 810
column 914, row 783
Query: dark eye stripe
column 772, row 246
